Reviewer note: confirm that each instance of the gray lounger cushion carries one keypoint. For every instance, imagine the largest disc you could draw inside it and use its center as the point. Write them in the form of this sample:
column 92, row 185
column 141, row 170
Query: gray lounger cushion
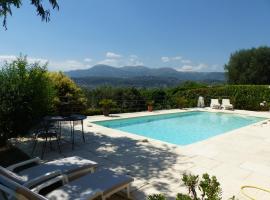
column 104, row 180
column 67, row 165
column 11, row 175
column 19, row 191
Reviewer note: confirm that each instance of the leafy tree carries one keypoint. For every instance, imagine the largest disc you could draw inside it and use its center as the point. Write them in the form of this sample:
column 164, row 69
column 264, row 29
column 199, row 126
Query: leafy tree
column 249, row 66
column 69, row 97
column 6, row 8
column 26, row 94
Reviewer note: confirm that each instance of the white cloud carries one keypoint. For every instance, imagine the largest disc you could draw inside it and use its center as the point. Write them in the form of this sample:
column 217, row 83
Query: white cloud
column 133, row 56
column 216, row 68
column 131, row 60
column 134, row 60
column 201, row 66
column 40, row 60
column 165, row 59
column 186, row 64
column 177, row 58
column 87, row 60
column 116, row 60
column 10, row 58
column 7, row 58
column 53, row 65
column 109, row 61
column 66, row 65
column 186, row 61
column 186, row 68
column 192, row 68
column 112, row 55
column 169, row 59
column 134, row 63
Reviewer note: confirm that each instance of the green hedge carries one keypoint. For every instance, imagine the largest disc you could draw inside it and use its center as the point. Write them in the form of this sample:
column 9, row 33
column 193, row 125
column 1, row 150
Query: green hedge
column 98, row 111
column 247, row 97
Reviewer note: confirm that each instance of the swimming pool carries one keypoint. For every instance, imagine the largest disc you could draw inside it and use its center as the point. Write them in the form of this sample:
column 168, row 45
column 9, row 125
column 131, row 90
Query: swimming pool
column 181, row 128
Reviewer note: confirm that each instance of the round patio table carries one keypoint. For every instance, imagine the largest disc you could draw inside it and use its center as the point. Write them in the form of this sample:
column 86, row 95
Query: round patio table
column 73, row 118
column 55, row 119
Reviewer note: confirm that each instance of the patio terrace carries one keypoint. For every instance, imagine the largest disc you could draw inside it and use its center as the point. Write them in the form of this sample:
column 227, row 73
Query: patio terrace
column 239, row 157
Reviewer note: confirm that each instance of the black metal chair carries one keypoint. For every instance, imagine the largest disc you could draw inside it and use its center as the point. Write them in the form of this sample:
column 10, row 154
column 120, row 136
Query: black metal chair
column 46, row 130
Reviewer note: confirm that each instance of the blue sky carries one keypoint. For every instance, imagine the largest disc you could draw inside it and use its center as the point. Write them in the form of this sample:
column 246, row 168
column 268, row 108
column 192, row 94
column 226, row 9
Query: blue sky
column 189, row 35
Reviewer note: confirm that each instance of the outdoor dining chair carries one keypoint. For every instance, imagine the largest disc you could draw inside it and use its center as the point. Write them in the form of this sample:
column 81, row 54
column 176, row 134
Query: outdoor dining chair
column 46, row 130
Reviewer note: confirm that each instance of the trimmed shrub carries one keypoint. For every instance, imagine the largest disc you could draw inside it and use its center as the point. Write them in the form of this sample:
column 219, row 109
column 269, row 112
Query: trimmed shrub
column 93, row 111
column 97, row 111
column 247, row 97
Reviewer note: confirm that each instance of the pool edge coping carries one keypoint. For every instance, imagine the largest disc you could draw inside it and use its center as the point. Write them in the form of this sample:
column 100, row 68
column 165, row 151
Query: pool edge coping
column 140, row 138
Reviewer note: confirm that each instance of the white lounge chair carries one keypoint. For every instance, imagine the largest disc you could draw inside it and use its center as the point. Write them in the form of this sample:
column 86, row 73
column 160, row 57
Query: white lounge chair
column 215, row 104
column 10, row 190
column 73, row 167
column 200, row 103
column 226, row 104
column 102, row 183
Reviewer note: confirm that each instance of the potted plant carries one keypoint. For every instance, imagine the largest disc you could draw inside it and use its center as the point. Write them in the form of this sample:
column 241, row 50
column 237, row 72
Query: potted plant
column 150, row 106
column 106, row 105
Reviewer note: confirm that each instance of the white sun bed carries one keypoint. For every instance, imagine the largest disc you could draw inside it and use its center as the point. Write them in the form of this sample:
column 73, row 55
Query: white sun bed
column 73, row 167
column 226, row 104
column 10, row 190
column 215, row 104
column 102, row 183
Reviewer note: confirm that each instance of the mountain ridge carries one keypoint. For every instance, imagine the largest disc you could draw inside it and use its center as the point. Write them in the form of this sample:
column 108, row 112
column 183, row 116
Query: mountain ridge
column 143, row 71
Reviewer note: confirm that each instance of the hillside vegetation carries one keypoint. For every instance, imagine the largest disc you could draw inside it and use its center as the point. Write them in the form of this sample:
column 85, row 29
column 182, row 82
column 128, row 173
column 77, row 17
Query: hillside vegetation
column 139, row 76
column 246, row 97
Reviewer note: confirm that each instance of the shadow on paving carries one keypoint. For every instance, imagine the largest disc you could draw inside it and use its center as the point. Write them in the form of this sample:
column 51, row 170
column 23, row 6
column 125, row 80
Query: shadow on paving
column 147, row 163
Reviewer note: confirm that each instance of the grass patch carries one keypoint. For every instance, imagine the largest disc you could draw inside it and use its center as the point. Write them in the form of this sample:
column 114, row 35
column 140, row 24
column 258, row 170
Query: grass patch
column 10, row 155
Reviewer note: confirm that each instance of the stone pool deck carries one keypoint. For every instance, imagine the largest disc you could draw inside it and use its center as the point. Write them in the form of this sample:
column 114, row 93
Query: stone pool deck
column 239, row 157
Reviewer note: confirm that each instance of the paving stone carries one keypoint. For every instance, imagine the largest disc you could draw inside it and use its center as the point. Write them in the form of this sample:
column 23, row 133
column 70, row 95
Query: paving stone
column 237, row 158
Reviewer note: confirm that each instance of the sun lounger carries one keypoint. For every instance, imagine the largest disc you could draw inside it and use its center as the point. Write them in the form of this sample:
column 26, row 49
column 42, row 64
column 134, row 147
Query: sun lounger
column 73, row 167
column 215, row 104
column 226, row 104
column 10, row 190
column 104, row 183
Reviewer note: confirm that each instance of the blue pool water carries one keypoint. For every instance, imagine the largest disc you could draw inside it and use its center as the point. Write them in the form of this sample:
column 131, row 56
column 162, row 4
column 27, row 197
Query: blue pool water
column 181, row 128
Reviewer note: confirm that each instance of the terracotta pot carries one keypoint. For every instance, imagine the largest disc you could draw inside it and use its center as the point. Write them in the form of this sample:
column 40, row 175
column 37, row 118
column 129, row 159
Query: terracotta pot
column 150, row 108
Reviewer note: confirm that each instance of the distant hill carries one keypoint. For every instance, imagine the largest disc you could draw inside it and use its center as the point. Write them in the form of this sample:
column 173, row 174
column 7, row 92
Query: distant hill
column 139, row 76
column 140, row 81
